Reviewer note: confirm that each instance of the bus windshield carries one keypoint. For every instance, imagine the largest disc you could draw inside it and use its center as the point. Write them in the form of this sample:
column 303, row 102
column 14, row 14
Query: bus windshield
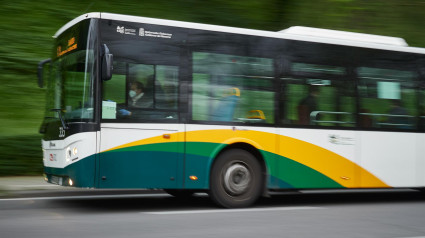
column 70, row 87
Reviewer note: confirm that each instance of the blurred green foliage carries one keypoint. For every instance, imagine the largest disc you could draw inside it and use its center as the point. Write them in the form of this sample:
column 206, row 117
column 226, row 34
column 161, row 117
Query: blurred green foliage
column 27, row 26
column 22, row 155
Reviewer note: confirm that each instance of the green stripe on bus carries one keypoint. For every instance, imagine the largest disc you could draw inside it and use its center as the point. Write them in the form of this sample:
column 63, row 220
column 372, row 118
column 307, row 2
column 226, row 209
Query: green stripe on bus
column 298, row 175
column 162, row 147
column 289, row 172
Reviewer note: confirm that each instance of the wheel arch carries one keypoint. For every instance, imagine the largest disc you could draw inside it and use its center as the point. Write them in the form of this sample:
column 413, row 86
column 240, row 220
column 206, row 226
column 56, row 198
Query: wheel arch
column 257, row 153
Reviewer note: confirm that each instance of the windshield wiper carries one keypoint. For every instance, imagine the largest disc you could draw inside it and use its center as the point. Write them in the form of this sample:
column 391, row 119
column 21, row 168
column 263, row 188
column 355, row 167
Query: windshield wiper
column 59, row 111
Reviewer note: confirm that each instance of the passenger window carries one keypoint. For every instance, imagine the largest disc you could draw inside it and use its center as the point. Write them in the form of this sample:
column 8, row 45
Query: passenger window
column 141, row 92
column 318, row 95
column 387, row 98
column 232, row 88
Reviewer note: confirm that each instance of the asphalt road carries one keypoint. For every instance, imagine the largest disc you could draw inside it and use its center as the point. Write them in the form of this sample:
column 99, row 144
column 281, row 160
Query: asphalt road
column 81, row 214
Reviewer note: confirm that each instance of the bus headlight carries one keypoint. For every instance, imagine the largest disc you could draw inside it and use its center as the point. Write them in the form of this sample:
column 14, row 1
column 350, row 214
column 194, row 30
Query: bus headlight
column 44, row 156
column 75, row 151
column 70, row 182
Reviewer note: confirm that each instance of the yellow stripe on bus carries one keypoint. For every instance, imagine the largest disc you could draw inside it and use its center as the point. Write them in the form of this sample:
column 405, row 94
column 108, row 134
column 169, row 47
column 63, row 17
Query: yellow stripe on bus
column 332, row 165
column 173, row 137
column 336, row 167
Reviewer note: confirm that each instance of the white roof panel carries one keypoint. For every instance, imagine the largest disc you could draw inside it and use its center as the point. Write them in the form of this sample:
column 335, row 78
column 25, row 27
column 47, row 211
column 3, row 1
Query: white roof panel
column 344, row 35
column 343, row 40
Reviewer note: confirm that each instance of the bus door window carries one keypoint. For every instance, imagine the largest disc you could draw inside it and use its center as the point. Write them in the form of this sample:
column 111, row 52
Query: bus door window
column 232, row 88
column 387, row 98
column 318, row 95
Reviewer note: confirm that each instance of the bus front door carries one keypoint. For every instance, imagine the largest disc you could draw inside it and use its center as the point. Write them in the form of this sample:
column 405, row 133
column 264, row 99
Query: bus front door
column 141, row 156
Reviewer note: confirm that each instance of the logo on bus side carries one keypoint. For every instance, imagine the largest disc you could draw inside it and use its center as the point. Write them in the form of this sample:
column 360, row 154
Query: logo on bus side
column 61, row 132
column 52, row 157
column 120, row 29
column 144, row 33
column 340, row 140
column 127, row 31
column 141, row 32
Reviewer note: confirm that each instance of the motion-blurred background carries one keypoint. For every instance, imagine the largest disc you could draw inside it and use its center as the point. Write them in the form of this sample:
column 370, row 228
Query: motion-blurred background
column 27, row 27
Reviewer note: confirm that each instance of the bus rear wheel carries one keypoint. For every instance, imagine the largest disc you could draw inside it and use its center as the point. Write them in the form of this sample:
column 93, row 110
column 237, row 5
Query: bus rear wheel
column 236, row 179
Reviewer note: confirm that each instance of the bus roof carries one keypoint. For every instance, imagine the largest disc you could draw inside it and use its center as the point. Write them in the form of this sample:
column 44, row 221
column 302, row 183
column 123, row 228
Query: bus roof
column 344, row 35
column 293, row 33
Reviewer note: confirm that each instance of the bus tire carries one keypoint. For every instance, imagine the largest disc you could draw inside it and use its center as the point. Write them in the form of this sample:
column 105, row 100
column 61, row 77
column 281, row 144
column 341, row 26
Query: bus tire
column 236, row 179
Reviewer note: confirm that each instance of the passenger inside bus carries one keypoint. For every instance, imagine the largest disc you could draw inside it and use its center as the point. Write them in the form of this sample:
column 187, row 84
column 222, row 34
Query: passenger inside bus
column 138, row 97
column 398, row 116
column 365, row 120
column 225, row 108
column 308, row 105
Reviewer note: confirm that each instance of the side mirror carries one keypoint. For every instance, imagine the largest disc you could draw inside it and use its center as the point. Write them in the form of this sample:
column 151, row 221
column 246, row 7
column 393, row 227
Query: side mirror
column 107, row 63
column 40, row 71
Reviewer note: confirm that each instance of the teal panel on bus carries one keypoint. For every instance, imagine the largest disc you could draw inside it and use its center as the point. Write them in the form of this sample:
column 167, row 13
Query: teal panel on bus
column 284, row 173
column 139, row 169
column 197, row 165
column 279, row 184
column 157, row 166
column 144, row 166
column 81, row 172
column 199, row 159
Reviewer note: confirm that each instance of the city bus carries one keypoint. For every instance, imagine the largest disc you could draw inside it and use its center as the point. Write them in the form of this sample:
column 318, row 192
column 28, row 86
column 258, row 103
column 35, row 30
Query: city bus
column 142, row 103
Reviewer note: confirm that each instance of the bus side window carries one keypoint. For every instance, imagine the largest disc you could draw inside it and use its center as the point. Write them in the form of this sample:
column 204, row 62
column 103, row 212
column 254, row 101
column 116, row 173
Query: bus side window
column 388, row 98
column 227, row 87
column 141, row 92
column 318, row 95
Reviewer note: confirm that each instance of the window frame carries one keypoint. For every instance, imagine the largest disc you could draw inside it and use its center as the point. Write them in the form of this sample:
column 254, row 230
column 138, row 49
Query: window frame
column 247, row 46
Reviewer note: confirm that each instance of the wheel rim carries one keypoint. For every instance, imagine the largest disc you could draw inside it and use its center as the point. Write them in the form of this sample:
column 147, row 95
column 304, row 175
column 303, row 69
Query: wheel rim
column 237, row 178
